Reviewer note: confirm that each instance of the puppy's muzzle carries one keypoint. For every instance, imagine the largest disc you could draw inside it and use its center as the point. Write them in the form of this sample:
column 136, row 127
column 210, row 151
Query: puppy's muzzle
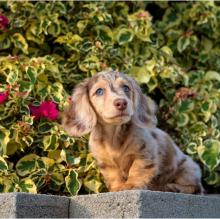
column 120, row 104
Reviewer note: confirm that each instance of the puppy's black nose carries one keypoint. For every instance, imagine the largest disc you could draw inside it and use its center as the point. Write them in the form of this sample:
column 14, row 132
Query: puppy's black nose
column 120, row 104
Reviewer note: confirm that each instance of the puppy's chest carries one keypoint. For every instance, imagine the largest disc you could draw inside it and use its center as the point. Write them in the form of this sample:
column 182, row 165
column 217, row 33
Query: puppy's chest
column 108, row 156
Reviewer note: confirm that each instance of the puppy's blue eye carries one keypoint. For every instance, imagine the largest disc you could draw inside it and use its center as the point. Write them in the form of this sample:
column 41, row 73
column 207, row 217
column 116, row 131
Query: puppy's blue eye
column 99, row 92
column 126, row 88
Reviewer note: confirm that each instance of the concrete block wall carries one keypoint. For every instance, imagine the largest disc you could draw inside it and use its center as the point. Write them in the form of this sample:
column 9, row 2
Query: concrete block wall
column 25, row 205
column 145, row 204
column 126, row 204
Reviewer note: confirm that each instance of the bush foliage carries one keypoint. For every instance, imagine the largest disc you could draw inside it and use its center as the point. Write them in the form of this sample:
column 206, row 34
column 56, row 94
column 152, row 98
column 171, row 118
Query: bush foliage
column 46, row 48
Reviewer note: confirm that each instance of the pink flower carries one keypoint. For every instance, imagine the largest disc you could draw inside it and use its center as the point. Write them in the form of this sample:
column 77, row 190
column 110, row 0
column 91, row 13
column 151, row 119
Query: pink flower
column 3, row 97
column 4, row 22
column 35, row 111
column 47, row 109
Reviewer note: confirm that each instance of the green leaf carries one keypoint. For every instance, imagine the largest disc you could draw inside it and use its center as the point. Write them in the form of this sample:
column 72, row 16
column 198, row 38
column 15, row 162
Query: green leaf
column 69, row 39
column 124, row 36
column 104, row 33
column 57, row 92
column 4, row 139
column 209, row 153
column 12, row 147
column 186, row 106
column 27, row 164
column 69, row 158
column 141, row 74
column 38, row 177
column 27, row 185
column 54, row 29
column 47, row 164
column 152, row 84
column 27, row 140
column 205, row 106
column 25, row 86
column 44, row 24
column 167, row 50
column 203, row 57
column 50, row 142
column 212, row 75
column 60, row 7
column 25, row 110
column 44, row 127
column 182, row 119
column 182, row 43
column 81, row 25
column 34, row 33
column 198, row 128
column 58, row 178
column 43, row 91
column 27, row 118
column 5, row 42
column 32, row 74
column 9, row 183
column 3, row 164
column 191, row 148
column 72, row 182
column 213, row 178
column 1, row 185
column 12, row 77
column 55, row 155
column 89, row 63
column 214, row 122
column 171, row 18
column 20, row 42
column 93, row 185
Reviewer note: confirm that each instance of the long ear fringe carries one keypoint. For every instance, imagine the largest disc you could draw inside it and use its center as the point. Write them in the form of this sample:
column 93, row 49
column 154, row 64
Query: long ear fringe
column 79, row 119
column 151, row 108
column 145, row 108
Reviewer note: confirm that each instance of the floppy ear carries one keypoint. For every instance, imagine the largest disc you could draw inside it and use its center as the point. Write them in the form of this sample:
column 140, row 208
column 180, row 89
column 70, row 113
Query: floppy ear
column 144, row 108
column 79, row 119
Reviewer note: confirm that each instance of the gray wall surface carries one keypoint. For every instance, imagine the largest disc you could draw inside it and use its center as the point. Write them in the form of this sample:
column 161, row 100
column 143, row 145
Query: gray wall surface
column 143, row 204
column 20, row 205
column 126, row 204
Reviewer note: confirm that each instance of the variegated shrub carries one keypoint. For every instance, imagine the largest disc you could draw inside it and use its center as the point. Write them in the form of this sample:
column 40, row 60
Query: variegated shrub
column 46, row 48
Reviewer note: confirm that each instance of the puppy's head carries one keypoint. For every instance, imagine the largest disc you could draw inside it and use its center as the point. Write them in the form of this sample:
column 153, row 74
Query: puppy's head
column 108, row 97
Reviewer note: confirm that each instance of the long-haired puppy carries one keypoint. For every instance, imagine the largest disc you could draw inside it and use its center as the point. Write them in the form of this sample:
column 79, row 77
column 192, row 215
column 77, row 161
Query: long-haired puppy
column 130, row 151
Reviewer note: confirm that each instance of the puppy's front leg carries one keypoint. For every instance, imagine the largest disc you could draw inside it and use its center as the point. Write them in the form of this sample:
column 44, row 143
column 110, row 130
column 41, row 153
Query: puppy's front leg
column 140, row 174
column 113, row 177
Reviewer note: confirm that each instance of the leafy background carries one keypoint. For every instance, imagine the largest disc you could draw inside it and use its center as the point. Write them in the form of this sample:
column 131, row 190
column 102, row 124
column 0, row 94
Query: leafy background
column 46, row 48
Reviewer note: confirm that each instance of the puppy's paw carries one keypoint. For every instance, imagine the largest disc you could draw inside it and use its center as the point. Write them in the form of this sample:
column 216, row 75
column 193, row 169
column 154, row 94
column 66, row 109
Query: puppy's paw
column 128, row 186
column 188, row 189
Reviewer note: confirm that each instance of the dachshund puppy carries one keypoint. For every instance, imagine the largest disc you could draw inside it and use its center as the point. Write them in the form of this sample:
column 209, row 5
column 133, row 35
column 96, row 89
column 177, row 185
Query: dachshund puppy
column 130, row 151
